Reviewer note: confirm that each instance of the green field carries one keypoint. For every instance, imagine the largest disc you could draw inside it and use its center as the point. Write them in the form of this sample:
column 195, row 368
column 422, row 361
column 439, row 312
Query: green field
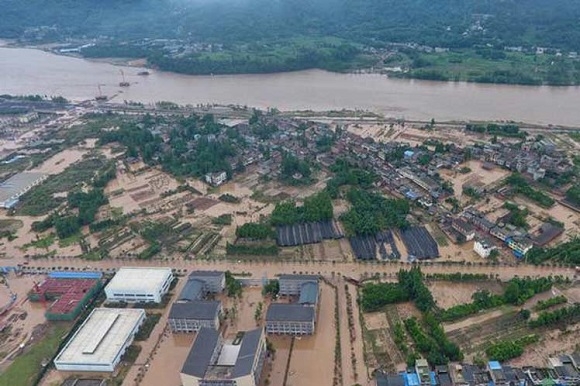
column 25, row 369
column 490, row 66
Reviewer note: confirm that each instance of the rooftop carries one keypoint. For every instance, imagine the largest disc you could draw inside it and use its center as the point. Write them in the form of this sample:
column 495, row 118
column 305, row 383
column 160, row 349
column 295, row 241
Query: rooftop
column 101, row 336
column 308, row 293
column 200, row 310
column 206, row 274
column 140, row 279
column 17, row 183
column 278, row 312
column 199, row 357
column 192, row 290
column 233, row 361
column 298, row 277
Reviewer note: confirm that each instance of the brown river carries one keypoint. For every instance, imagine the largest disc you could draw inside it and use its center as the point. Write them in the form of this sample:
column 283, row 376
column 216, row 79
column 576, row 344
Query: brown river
column 28, row 71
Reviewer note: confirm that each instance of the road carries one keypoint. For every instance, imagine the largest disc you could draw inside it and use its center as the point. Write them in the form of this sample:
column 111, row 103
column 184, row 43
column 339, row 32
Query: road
column 259, row 269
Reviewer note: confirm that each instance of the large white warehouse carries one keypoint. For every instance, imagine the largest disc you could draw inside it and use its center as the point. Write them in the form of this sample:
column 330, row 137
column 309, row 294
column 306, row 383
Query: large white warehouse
column 139, row 285
column 101, row 341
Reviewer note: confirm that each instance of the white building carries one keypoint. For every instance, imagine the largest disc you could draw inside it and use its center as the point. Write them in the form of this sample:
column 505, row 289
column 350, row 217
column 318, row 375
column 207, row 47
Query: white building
column 483, row 248
column 101, row 341
column 139, row 285
column 216, row 179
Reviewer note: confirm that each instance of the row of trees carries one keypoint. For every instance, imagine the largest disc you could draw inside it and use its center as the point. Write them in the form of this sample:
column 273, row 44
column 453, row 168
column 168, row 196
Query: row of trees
column 551, row 302
column 376, row 295
column 317, row 207
column 255, row 231
column 507, row 130
column 517, row 291
column 568, row 253
column 432, row 342
column 573, row 195
column 508, row 349
column 562, row 316
column 521, row 186
column 412, row 283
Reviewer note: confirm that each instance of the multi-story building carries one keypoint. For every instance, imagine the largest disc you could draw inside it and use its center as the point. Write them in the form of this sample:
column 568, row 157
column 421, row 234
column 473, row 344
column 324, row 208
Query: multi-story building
column 193, row 315
column 483, row 247
column 464, row 228
column 213, row 362
column 214, row 281
column 292, row 284
column 292, row 319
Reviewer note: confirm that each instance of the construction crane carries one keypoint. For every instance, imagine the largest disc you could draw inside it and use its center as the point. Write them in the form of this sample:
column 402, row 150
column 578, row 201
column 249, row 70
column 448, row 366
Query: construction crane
column 124, row 83
column 101, row 97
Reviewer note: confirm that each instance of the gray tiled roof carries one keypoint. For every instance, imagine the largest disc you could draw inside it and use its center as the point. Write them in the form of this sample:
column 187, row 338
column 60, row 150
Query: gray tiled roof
column 308, row 293
column 193, row 290
column 248, row 351
column 279, row 312
column 206, row 274
column 199, row 356
column 198, row 310
column 298, row 277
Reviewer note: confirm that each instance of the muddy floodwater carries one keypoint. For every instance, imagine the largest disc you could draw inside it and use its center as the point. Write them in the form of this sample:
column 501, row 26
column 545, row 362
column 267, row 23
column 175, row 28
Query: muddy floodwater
column 28, row 71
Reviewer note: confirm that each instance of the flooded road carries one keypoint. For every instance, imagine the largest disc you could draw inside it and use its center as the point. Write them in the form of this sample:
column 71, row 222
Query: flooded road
column 28, row 71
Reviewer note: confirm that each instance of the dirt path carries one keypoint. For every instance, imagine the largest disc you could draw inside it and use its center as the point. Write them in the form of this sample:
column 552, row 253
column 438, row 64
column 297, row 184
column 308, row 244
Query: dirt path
column 348, row 375
column 312, row 359
column 473, row 320
column 358, row 345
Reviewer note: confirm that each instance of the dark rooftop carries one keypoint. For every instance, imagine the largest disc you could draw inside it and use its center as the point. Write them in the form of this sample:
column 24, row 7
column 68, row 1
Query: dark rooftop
column 199, row 356
column 298, row 277
column 278, row 312
column 308, row 293
column 547, row 233
column 248, row 351
column 206, row 273
column 390, row 380
column 193, row 290
column 199, row 309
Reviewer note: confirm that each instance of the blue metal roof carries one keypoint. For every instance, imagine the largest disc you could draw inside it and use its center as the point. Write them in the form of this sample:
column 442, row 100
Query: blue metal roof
column 412, row 379
column 75, row 275
column 433, row 378
column 494, row 365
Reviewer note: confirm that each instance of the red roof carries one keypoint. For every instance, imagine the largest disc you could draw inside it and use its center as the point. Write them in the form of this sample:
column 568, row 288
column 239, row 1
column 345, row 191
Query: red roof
column 68, row 291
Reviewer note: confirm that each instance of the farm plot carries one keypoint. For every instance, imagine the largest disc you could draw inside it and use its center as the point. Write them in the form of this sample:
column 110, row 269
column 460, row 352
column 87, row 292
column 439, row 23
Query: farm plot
column 380, row 348
column 307, row 233
column 419, row 243
column 475, row 334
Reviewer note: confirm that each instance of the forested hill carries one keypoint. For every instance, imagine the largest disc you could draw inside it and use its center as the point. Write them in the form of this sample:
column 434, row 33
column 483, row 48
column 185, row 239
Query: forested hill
column 443, row 23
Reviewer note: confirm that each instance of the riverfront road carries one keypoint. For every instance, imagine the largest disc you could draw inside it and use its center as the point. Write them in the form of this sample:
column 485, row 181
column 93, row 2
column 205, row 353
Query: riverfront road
column 270, row 269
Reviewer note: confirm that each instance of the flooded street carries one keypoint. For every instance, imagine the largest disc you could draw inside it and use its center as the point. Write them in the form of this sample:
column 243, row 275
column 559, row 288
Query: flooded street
column 28, row 71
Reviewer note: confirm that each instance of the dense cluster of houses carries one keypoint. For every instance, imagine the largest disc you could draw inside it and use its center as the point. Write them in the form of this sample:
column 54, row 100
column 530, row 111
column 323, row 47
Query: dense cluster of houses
column 563, row 370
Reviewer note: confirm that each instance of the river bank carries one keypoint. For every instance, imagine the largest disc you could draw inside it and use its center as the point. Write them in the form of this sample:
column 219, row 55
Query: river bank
column 31, row 71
